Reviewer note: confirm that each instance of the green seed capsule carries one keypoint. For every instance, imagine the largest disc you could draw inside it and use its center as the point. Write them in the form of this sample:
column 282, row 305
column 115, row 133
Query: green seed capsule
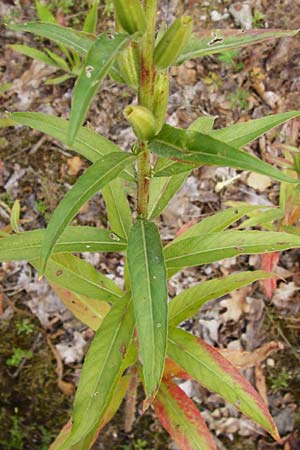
column 130, row 15
column 160, row 98
column 174, row 40
column 128, row 65
column 142, row 121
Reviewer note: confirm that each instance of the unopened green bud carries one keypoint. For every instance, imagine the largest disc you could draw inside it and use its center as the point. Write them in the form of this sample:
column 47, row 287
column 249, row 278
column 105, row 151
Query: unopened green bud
column 142, row 122
column 130, row 15
column 160, row 98
column 174, row 40
column 128, row 64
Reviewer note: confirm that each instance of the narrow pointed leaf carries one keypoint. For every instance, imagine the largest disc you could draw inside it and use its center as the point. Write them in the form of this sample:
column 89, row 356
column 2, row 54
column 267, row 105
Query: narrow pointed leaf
column 217, row 222
column 73, row 273
column 263, row 217
column 149, row 291
column 99, row 60
column 15, row 216
column 34, row 53
column 27, row 245
column 188, row 302
column 210, row 247
column 102, row 369
column 89, row 311
column 75, row 40
column 162, row 190
column 58, row 60
column 194, row 147
column 87, row 143
column 206, row 365
column 90, row 22
column 209, row 42
column 58, row 80
column 44, row 13
column 243, row 133
column 204, row 124
column 181, row 418
column 95, row 178
column 117, row 207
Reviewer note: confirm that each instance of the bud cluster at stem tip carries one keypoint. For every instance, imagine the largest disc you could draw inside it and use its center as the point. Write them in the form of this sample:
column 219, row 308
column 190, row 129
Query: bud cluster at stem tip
column 173, row 41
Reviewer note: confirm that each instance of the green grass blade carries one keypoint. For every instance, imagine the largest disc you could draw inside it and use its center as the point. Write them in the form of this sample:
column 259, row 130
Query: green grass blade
column 95, row 178
column 206, row 365
column 101, row 371
column 34, row 53
column 162, row 190
column 194, row 147
column 99, row 60
column 210, row 42
column 117, row 207
column 75, row 40
column 90, row 22
column 27, row 245
column 149, row 291
column 188, row 302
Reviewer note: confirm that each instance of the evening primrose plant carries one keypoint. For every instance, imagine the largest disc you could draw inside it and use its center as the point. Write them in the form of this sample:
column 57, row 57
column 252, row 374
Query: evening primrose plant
column 137, row 335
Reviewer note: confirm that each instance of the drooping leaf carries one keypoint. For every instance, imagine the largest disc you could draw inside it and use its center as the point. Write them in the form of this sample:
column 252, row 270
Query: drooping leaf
column 27, row 245
column 162, row 190
column 217, row 222
column 95, row 178
column 118, row 395
column 243, row 133
column 209, row 42
column 102, row 370
column 75, row 40
column 194, row 147
column 188, row 302
column 149, row 291
column 206, row 365
column 87, row 143
column 117, row 207
column 89, row 311
column 70, row 272
column 181, row 418
column 210, row 247
column 99, row 60
column 34, row 53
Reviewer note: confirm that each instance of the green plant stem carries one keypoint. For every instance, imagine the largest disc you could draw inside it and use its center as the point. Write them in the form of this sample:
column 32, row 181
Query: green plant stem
column 145, row 97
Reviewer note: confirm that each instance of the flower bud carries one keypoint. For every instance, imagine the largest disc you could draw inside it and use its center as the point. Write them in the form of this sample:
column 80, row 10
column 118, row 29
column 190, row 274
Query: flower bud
column 130, row 15
column 174, row 40
column 128, row 65
column 160, row 98
column 142, row 122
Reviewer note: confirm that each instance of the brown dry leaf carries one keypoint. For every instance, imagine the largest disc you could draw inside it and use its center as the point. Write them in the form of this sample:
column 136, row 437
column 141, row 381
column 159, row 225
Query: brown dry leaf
column 235, row 305
column 74, row 165
column 66, row 388
column 260, row 383
column 244, row 360
column 259, row 182
column 284, row 293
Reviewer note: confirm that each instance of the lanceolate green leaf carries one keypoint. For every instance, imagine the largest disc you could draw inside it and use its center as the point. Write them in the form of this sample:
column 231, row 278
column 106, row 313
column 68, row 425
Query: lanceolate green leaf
column 206, row 365
column 194, row 147
column 27, row 245
column 90, row 22
column 95, row 178
column 99, row 60
column 162, row 190
column 217, row 222
column 204, row 124
column 117, row 206
column 181, row 418
column 73, row 273
column 243, row 133
column 75, row 40
column 87, row 143
column 209, row 42
column 210, row 247
column 34, row 53
column 188, row 302
column 101, row 371
column 149, row 291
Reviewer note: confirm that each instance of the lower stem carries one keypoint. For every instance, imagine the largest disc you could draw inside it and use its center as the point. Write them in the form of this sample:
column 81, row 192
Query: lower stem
column 143, row 170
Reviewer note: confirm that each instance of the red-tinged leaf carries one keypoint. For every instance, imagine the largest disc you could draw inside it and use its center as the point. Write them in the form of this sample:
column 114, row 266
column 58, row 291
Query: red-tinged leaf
column 181, row 418
column 269, row 263
column 206, row 365
column 173, row 370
